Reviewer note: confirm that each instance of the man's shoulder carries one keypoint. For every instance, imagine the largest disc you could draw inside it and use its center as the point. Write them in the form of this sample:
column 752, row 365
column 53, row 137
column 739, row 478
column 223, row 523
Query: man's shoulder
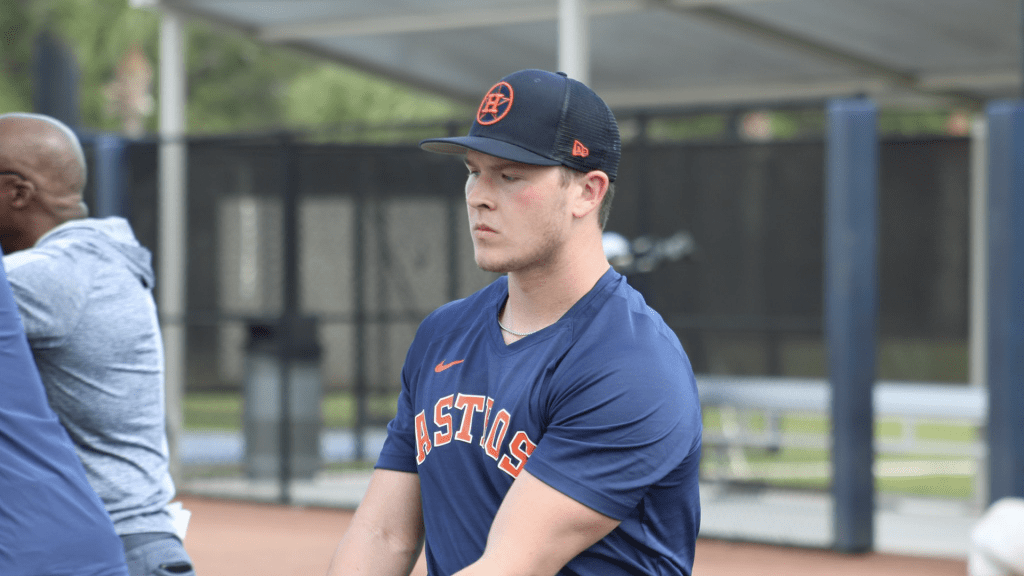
column 59, row 251
column 51, row 288
column 626, row 310
column 624, row 331
column 457, row 312
column 51, row 260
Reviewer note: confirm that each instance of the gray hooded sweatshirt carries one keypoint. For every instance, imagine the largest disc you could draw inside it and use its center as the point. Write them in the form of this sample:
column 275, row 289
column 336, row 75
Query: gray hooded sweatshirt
column 84, row 292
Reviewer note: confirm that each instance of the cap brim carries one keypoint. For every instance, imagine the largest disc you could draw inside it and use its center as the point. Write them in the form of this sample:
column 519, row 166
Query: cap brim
column 460, row 144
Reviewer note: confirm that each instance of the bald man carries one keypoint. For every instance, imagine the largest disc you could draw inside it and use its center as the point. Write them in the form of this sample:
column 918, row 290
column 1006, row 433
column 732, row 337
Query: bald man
column 83, row 288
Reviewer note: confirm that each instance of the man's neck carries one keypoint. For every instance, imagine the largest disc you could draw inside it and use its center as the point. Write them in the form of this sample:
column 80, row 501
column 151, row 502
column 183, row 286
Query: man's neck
column 537, row 298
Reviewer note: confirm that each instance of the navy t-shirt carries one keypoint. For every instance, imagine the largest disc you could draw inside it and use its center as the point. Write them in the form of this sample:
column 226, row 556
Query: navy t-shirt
column 602, row 406
column 51, row 521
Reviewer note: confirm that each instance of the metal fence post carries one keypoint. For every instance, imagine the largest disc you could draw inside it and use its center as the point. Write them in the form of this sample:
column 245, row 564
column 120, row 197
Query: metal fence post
column 360, row 388
column 289, row 312
column 851, row 306
column 1005, row 361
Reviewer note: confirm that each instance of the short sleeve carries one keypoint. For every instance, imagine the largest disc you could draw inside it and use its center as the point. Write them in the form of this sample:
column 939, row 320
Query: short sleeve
column 619, row 428
column 399, row 450
column 51, row 291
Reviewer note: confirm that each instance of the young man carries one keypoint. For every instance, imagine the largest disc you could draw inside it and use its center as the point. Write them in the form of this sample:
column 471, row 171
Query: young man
column 548, row 423
column 51, row 521
column 84, row 291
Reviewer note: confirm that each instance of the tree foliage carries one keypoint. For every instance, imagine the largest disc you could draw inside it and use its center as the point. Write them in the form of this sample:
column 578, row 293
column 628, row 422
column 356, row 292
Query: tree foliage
column 16, row 32
column 234, row 84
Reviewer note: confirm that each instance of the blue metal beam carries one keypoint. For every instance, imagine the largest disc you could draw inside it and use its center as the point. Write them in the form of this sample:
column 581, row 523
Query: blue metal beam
column 110, row 178
column 851, row 306
column 1006, row 299
column 55, row 75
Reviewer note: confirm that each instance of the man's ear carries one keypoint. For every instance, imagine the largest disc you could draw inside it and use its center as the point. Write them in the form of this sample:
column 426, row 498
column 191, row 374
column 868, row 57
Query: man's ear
column 21, row 193
column 594, row 187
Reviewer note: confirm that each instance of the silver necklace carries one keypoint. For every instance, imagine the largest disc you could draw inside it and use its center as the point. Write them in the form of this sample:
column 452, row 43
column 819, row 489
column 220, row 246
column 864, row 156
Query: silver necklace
column 513, row 332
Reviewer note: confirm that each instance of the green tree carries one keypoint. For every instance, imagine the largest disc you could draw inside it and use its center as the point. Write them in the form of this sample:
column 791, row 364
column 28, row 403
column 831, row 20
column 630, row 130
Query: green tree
column 328, row 96
column 98, row 33
column 234, row 83
column 17, row 31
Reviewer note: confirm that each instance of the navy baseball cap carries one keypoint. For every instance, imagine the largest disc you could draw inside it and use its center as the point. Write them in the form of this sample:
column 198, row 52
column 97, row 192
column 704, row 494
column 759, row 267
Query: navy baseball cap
column 541, row 118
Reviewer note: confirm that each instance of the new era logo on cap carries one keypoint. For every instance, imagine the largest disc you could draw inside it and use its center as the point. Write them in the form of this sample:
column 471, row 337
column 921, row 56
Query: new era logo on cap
column 541, row 118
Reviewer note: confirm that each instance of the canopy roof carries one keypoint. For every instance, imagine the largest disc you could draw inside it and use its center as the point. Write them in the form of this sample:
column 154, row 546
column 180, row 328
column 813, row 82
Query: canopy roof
column 662, row 53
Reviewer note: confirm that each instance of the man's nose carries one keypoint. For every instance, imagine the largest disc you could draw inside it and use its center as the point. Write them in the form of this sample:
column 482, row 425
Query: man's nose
column 479, row 193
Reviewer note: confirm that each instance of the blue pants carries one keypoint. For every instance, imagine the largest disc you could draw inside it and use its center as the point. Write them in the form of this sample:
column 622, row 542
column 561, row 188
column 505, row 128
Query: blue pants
column 156, row 554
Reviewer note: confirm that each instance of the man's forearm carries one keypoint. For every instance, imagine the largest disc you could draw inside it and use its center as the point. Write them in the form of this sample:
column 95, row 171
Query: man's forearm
column 364, row 552
column 386, row 533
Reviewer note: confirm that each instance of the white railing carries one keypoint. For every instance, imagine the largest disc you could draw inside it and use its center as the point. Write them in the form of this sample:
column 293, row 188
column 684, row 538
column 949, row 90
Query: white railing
column 910, row 403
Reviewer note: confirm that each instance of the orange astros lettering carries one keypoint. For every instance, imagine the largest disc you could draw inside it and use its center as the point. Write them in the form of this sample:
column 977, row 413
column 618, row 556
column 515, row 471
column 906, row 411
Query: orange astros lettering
column 441, row 366
column 454, row 422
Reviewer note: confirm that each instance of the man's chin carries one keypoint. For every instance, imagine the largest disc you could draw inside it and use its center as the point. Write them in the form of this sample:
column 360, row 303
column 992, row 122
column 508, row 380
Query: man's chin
column 491, row 265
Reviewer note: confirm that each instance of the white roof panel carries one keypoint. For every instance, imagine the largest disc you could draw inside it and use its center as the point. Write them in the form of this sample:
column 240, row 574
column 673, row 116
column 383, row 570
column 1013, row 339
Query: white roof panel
column 653, row 53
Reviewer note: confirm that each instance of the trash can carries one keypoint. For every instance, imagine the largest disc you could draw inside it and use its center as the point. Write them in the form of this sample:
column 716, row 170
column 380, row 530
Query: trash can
column 262, row 412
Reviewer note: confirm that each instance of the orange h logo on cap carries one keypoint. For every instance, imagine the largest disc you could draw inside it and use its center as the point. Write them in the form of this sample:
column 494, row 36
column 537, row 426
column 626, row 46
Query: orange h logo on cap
column 496, row 104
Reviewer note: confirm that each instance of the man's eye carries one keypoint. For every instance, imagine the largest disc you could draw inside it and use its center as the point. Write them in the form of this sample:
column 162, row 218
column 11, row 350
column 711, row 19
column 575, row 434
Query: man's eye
column 509, row 177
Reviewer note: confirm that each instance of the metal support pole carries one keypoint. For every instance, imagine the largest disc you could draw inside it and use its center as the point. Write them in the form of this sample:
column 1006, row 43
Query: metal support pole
column 171, row 288
column 55, row 76
column 979, row 245
column 978, row 325
column 1006, row 299
column 456, row 219
column 574, row 39
column 851, row 306
column 361, row 389
column 289, row 310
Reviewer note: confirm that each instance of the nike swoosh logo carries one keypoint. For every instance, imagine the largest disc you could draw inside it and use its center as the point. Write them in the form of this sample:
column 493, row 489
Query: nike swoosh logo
column 441, row 366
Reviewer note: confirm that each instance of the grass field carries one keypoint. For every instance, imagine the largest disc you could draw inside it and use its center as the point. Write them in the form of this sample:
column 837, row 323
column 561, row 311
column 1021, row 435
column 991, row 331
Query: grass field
column 949, row 476
column 223, row 410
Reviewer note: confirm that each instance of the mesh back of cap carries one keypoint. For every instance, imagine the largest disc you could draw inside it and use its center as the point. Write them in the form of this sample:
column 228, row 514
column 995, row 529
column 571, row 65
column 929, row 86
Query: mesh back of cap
column 587, row 119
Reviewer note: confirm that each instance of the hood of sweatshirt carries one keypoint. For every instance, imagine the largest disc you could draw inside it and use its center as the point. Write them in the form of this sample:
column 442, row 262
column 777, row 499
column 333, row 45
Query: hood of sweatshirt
column 111, row 235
